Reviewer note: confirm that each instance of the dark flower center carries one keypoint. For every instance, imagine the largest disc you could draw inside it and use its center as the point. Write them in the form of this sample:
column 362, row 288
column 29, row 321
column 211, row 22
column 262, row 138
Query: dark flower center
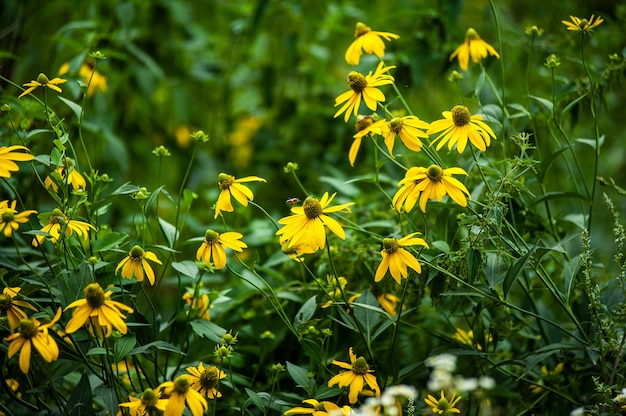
column 363, row 122
column 390, row 245
column 395, row 125
column 360, row 366
column 5, row 303
column 28, row 328
column 136, row 253
column 209, row 378
column 357, row 82
column 460, row 115
column 149, row 398
column 471, row 34
column 211, row 236
column 361, row 29
column 42, row 79
column 94, row 295
column 434, row 173
column 57, row 217
column 312, row 208
column 181, row 385
column 8, row 216
column 583, row 24
column 224, row 181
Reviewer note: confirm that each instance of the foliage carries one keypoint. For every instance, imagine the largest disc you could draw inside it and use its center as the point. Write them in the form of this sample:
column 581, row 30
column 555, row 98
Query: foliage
column 475, row 259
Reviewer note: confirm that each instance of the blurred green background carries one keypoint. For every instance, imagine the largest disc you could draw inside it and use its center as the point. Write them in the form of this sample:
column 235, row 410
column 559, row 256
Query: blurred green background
column 260, row 77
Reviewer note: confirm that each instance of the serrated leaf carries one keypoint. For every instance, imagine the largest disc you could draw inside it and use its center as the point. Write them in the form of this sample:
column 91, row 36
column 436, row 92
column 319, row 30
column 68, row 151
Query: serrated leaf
column 207, row 329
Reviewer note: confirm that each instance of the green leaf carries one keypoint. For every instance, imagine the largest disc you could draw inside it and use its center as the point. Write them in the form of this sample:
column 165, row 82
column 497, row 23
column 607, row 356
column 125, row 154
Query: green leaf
column 546, row 103
column 257, row 399
column 474, row 264
column 77, row 109
column 81, row 398
column 516, row 270
column 368, row 318
column 558, row 195
column 36, row 132
column 306, row 312
column 123, row 346
column 301, row 377
column 96, row 351
column 207, row 329
column 109, row 241
column 547, row 161
column 570, row 270
column 169, row 231
column 186, row 268
column 570, row 105
column 155, row 345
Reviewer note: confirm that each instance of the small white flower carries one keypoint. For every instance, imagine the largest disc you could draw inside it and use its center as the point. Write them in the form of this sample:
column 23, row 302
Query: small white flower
column 579, row 411
column 446, row 362
column 466, row 384
column 486, row 382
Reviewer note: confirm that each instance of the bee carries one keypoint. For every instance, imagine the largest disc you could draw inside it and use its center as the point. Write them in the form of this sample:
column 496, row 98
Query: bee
column 292, row 201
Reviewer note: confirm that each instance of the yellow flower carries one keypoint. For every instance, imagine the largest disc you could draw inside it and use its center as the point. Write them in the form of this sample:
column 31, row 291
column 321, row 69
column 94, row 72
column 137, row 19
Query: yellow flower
column 214, row 247
column 443, row 406
column 337, row 285
column 363, row 87
column 431, row 183
column 148, row 404
column 396, row 259
column 388, row 302
column 458, row 126
column 369, row 41
column 408, row 128
column 582, row 25
column 229, row 185
column 363, row 127
column 296, row 251
column 33, row 334
column 200, row 304
column 181, row 393
column 74, row 177
column 205, row 379
column 135, row 264
column 9, row 306
column 10, row 220
column 319, row 409
column 97, row 310
column 43, row 81
column 307, row 225
column 56, row 222
column 473, row 46
column 549, row 376
column 8, row 157
column 94, row 79
column 356, row 377
column 467, row 338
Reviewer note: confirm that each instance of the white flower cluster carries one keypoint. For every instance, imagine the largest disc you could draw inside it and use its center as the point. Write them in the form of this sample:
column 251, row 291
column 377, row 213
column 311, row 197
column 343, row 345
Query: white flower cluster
column 442, row 376
column 394, row 401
